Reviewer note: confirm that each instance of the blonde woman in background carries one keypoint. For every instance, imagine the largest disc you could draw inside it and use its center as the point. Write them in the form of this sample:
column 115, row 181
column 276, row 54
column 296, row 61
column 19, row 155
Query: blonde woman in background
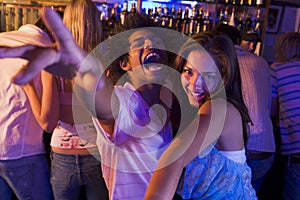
column 75, row 160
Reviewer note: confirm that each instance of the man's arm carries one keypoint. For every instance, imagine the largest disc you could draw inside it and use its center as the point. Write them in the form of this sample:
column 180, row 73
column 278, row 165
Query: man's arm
column 67, row 60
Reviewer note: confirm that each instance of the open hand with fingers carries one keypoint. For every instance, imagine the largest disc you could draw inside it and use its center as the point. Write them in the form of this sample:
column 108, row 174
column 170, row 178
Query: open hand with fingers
column 63, row 59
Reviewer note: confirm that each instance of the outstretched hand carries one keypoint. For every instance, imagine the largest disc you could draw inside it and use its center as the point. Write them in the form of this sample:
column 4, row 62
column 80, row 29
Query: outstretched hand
column 63, row 60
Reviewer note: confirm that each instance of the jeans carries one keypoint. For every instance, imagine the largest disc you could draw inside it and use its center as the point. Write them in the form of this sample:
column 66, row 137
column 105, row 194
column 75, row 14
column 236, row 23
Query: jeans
column 69, row 173
column 28, row 177
column 291, row 185
column 5, row 191
column 259, row 169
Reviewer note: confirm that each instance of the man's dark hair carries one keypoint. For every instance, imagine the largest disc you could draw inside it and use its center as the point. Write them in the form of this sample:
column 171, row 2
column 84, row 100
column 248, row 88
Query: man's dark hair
column 131, row 21
column 251, row 37
column 134, row 20
column 232, row 32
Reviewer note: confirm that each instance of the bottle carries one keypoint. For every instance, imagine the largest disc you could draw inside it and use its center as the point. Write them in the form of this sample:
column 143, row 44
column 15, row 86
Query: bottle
column 124, row 12
column 178, row 21
column 193, row 22
column 250, row 2
column 156, row 16
column 104, row 13
column 199, row 20
column 223, row 16
column 249, row 23
column 206, row 25
column 241, row 22
column 172, row 17
column 232, row 19
column 109, row 24
column 165, row 17
column 150, row 13
column 186, row 22
column 112, row 19
column 259, row 2
column 133, row 8
column 228, row 1
column 258, row 23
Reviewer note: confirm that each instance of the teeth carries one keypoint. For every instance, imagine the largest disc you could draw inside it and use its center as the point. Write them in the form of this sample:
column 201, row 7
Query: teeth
column 154, row 68
column 152, row 54
column 196, row 94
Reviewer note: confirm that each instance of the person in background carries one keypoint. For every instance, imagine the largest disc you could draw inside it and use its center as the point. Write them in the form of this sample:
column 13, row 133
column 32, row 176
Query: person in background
column 250, row 42
column 23, row 164
column 208, row 158
column 73, row 141
column 47, row 136
column 256, row 89
column 75, row 161
column 285, row 108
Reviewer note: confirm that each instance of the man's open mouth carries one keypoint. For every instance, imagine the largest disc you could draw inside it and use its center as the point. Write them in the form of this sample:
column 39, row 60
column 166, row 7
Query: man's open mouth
column 153, row 61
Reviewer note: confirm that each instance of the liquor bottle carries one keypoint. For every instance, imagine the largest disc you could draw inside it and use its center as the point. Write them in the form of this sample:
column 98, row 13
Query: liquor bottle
column 206, row 25
column 241, row 21
column 112, row 19
column 133, row 8
column 150, row 13
column 124, row 12
column 104, row 13
column 156, row 16
column 258, row 23
column 249, row 23
column 232, row 18
column 178, row 21
column 193, row 22
column 259, row 2
column 228, row 2
column 165, row 17
column 223, row 16
column 172, row 18
column 199, row 20
column 186, row 22
column 249, row 3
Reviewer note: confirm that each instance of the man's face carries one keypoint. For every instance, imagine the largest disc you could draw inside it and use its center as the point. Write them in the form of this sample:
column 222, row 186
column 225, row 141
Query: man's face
column 248, row 45
column 147, row 57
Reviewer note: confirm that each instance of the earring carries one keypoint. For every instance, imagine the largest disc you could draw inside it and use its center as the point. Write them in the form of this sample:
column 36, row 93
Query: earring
column 122, row 64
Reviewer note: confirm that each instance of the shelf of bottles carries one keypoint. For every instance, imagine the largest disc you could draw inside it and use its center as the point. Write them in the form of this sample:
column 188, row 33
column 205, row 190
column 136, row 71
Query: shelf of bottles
column 12, row 16
column 187, row 17
column 190, row 17
column 246, row 15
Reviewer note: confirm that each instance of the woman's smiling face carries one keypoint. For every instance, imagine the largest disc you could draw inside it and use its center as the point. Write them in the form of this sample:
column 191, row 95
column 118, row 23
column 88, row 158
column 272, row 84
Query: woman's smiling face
column 200, row 76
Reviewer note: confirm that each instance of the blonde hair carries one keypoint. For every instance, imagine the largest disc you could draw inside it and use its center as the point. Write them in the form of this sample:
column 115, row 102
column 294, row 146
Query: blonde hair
column 82, row 18
column 287, row 47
